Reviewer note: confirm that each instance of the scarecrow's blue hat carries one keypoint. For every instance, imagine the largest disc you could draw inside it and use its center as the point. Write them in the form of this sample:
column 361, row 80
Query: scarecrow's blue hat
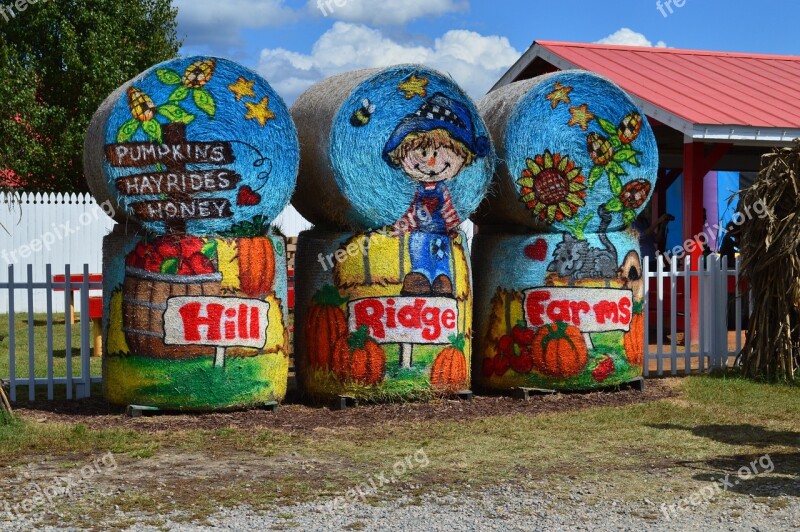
column 439, row 112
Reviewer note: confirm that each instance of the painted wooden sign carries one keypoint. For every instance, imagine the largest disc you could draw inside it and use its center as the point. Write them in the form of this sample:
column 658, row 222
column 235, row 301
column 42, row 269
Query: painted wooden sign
column 405, row 320
column 194, row 146
column 590, row 310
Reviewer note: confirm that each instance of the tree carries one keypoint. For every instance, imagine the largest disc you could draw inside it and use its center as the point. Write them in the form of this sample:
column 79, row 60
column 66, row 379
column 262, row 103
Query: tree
column 58, row 61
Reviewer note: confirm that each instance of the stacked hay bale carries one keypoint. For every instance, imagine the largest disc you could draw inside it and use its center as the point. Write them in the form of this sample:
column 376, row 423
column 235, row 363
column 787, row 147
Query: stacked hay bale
column 197, row 156
column 559, row 288
column 393, row 160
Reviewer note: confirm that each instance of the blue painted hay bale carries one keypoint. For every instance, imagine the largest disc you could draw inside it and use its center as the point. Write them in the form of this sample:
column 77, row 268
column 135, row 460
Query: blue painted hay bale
column 369, row 137
column 198, row 145
column 569, row 142
column 557, row 311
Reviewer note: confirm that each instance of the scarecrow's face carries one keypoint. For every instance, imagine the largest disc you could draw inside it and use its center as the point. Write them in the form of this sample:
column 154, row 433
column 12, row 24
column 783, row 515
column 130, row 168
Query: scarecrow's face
column 429, row 165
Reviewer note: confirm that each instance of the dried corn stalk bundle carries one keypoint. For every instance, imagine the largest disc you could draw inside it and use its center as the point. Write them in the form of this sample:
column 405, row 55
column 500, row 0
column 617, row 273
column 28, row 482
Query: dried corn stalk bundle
column 771, row 250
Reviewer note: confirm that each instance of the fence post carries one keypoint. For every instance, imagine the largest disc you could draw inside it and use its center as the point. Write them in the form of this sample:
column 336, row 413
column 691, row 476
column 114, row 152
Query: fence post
column 12, row 336
column 646, row 311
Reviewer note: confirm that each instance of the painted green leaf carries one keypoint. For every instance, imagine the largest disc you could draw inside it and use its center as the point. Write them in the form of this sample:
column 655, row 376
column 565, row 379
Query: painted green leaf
column 616, row 184
column 614, row 167
column 624, row 155
column 175, row 113
column 210, row 249
column 128, row 130
column 168, row 77
column 633, row 160
column 205, row 102
column 615, row 205
column 170, row 266
column 179, row 94
column 595, row 174
column 153, row 128
column 628, row 217
column 607, row 126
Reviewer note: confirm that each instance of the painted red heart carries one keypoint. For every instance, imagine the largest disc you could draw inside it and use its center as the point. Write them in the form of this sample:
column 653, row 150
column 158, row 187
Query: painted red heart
column 537, row 251
column 248, row 197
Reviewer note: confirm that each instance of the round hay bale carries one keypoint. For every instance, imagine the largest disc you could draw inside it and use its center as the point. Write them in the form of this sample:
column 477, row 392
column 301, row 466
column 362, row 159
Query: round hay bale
column 556, row 311
column 371, row 324
column 568, row 142
column 198, row 145
column 371, row 138
column 194, row 323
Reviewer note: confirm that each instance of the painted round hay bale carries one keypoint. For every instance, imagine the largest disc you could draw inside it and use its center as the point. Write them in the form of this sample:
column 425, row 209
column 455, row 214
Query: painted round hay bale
column 194, row 323
column 198, row 145
column 568, row 143
column 374, row 322
column 557, row 311
column 374, row 141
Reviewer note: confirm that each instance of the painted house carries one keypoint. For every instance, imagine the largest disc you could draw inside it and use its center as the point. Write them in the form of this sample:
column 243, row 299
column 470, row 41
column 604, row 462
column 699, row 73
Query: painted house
column 714, row 115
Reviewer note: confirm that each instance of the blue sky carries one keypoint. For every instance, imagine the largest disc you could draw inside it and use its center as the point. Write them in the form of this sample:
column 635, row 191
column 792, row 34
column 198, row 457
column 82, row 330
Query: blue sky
column 293, row 45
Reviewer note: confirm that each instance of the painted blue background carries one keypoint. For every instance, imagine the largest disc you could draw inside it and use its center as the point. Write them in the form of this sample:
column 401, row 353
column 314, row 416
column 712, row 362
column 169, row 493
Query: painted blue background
column 277, row 141
column 379, row 194
column 535, row 127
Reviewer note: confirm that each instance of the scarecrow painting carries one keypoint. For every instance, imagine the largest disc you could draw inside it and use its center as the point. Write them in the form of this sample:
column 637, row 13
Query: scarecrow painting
column 432, row 146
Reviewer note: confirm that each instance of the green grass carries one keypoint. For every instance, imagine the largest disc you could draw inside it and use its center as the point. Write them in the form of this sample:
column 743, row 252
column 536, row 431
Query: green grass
column 659, row 450
column 40, row 347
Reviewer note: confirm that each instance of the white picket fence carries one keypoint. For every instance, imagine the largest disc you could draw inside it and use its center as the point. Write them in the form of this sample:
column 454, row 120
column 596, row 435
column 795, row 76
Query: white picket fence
column 669, row 338
column 40, row 229
column 78, row 386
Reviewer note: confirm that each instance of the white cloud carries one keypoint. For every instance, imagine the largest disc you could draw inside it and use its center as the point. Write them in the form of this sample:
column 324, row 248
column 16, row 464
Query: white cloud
column 397, row 12
column 475, row 61
column 628, row 37
column 218, row 24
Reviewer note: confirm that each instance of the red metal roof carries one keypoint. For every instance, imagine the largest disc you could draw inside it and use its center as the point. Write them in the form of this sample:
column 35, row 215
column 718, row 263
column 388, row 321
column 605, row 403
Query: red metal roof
column 698, row 87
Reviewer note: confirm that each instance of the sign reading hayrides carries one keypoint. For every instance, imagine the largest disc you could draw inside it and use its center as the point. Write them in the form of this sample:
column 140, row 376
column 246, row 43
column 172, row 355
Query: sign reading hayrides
column 198, row 155
column 216, row 321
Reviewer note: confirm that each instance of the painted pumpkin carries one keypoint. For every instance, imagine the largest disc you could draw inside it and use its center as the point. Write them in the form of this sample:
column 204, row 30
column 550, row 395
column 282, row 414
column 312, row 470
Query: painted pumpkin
column 636, row 193
column 600, row 149
column 634, row 341
column 559, row 351
column 449, row 370
column 325, row 325
column 256, row 266
column 359, row 358
column 630, row 127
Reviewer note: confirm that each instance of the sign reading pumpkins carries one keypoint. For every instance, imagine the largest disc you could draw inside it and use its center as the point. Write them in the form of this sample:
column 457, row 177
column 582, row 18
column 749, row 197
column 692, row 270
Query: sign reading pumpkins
column 202, row 155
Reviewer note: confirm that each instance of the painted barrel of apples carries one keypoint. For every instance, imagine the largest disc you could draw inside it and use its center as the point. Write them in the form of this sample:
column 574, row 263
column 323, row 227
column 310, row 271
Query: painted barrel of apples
column 196, row 145
column 568, row 143
column 367, row 326
column 561, row 312
column 371, row 139
column 195, row 323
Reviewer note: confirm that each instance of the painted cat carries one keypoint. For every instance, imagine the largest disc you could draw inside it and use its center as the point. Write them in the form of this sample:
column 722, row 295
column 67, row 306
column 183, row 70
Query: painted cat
column 576, row 259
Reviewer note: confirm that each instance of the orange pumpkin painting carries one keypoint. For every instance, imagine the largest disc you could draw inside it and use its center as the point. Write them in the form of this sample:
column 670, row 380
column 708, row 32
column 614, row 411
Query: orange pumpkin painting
column 634, row 341
column 559, row 351
column 256, row 266
column 325, row 325
column 359, row 358
column 449, row 370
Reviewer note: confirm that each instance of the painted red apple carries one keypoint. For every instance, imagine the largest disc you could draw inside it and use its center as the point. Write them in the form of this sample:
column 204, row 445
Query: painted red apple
column 191, row 245
column 603, row 370
column 199, row 264
column 168, row 247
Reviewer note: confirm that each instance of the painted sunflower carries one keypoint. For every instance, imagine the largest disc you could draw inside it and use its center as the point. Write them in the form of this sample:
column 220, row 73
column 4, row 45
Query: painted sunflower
column 553, row 187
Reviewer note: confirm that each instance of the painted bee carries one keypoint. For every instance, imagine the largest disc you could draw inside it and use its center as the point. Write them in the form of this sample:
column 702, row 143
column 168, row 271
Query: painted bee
column 363, row 114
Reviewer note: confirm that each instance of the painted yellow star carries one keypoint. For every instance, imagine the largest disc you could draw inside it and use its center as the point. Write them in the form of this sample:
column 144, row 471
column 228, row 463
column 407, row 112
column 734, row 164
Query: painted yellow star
column 242, row 88
column 559, row 94
column 581, row 116
column 414, row 86
column 259, row 111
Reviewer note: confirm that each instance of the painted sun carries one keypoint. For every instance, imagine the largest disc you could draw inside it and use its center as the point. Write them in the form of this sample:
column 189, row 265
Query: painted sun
column 553, row 187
